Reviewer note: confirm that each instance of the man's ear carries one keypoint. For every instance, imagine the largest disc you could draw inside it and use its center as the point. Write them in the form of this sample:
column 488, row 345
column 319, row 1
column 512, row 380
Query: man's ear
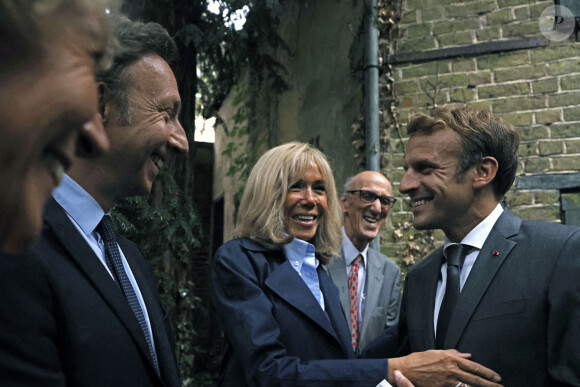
column 104, row 98
column 342, row 201
column 485, row 172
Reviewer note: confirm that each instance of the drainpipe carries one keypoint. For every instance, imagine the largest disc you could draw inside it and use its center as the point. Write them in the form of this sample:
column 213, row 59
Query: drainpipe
column 371, row 91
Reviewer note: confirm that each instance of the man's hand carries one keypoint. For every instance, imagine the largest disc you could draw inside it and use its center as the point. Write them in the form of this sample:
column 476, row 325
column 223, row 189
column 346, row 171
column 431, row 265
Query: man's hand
column 443, row 368
column 400, row 380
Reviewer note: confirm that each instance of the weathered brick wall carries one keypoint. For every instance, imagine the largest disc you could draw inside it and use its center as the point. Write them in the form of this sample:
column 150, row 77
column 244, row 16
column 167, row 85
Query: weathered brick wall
column 535, row 89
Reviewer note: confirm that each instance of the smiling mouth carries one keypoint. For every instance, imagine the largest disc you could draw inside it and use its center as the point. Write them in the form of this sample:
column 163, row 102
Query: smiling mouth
column 307, row 219
column 417, row 203
column 370, row 219
column 158, row 161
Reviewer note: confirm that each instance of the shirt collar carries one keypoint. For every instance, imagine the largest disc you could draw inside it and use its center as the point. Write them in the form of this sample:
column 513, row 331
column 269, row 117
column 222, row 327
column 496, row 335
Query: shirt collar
column 479, row 234
column 298, row 252
column 78, row 204
column 350, row 251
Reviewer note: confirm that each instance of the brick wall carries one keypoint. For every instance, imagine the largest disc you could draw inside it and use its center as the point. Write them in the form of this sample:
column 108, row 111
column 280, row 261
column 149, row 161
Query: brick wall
column 537, row 89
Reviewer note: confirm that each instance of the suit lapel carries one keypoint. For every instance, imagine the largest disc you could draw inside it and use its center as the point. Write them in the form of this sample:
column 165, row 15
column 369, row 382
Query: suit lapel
column 287, row 284
column 482, row 274
column 334, row 311
column 424, row 307
column 337, row 271
column 374, row 280
column 92, row 268
column 165, row 357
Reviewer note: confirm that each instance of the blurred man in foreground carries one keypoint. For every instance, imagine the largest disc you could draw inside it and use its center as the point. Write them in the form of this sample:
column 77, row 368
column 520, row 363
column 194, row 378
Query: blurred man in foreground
column 50, row 51
column 82, row 308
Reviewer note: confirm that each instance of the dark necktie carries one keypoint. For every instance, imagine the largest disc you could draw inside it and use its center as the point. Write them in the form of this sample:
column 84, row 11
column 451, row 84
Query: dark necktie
column 353, row 292
column 455, row 256
column 115, row 264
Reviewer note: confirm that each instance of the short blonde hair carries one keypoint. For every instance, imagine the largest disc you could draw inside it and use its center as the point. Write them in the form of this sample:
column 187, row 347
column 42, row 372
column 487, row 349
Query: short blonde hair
column 261, row 215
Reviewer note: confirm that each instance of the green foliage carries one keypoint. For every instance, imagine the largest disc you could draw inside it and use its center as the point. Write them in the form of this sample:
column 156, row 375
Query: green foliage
column 224, row 52
column 242, row 147
column 191, row 35
column 169, row 232
column 416, row 246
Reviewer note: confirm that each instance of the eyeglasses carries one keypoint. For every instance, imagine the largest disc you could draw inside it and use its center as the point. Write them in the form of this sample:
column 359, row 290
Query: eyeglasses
column 370, row 197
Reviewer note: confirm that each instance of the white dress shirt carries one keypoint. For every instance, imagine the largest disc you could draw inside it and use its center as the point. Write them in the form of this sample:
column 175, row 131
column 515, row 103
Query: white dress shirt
column 476, row 238
column 302, row 258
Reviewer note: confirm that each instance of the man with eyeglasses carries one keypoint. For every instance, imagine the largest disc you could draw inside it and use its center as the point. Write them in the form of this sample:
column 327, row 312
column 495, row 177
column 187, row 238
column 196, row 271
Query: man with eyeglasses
column 368, row 281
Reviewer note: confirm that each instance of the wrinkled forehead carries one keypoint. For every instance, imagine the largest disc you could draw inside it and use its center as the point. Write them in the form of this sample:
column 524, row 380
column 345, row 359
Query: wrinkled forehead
column 375, row 182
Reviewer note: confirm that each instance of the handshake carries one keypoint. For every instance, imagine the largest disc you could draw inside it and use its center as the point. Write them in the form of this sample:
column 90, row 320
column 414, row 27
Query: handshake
column 439, row 368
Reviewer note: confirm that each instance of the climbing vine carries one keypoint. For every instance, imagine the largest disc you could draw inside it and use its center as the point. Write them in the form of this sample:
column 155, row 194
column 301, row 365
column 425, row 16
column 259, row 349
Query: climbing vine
column 410, row 245
column 415, row 246
column 168, row 228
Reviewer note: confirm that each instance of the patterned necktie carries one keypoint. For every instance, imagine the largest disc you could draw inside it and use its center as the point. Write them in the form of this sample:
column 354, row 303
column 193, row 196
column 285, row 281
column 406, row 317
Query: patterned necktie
column 353, row 290
column 455, row 256
column 115, row 264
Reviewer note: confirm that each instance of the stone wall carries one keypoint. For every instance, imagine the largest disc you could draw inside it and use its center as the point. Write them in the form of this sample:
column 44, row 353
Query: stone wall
column 489, row 54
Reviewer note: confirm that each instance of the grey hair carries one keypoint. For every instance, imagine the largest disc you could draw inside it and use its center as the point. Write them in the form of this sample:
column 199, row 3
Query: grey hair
column 347, row 185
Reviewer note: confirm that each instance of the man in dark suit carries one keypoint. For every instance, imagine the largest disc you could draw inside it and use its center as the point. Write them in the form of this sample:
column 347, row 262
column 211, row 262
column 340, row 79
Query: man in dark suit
column 82, row 309
column 365, row 204
column 511, row 296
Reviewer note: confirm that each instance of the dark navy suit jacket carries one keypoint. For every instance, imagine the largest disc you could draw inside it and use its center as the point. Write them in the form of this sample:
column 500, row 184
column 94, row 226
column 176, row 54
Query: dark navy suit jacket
column 275, row 331
column 519, row 310
column 64, row 322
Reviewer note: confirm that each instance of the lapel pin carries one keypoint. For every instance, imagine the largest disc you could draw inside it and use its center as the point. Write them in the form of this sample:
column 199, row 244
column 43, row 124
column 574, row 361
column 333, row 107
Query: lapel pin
column 495, row 252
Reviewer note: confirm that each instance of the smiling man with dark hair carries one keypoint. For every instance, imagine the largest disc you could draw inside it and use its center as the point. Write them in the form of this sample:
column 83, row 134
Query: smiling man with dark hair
column 502, row 288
